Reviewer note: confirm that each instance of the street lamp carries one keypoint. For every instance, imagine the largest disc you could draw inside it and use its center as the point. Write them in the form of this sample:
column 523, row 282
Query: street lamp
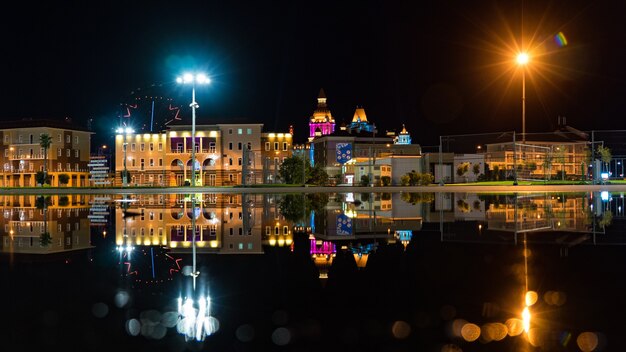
column 189, row 78
column 522, row 61
column 125, row 131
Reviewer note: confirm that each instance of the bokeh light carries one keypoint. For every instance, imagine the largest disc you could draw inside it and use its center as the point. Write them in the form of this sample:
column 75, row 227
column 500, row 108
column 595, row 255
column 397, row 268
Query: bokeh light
column 537, row 337
column 470, row 332
column 133, row 327
column 560, row 39
column 245, row 333
column 451, row 348
column 100, row 310
column 456, row 327
column 281, row 336
column 531, row 298
column 514, row 326
column 447, row 312
column 121, row 299
column 400, row 329
column 587, row 341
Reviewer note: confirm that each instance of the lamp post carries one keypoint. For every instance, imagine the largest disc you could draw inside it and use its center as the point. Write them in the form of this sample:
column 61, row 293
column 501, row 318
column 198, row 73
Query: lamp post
column 522, row 60
column 189, row 78
column 125, row 131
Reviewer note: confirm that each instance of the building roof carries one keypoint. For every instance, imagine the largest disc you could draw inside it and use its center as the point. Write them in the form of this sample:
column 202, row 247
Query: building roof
column 66, row 124
column 359, row 115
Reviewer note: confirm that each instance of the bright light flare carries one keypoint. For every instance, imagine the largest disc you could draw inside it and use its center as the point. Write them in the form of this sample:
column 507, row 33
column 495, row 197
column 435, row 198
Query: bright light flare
column 526, row 319
column 195, row 320
column 522, row 58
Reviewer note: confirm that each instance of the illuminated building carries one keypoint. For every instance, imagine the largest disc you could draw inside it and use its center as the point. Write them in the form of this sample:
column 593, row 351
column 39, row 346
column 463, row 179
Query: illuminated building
column 226, row 154
column 322, row 121
column 276, row 147
column 22, row 156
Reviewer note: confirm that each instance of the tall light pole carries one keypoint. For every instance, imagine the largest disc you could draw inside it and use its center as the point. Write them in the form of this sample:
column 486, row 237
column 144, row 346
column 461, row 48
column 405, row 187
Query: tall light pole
column 189, row 78
column 125, row 131
column 522, row 60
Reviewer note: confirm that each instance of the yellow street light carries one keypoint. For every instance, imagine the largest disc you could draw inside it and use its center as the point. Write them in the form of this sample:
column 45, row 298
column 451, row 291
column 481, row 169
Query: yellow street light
column 522, row 60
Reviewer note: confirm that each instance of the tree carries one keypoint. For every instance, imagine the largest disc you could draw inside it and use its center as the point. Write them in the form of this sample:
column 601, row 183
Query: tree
column 386, row 180
column 605, row 156
column 45, row 239
column 476, row 169
column 41, row 178
column 45, row 141
column 64, row 179
column 462, row 169
column 318, row 176
column 294, row 170
column 365, row 180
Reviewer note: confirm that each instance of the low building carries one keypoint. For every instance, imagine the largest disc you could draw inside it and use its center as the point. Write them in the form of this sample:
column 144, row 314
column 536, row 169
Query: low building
column 22, row 155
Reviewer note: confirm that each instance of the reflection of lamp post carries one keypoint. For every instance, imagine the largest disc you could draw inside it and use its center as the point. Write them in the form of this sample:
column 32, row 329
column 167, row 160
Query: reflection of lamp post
column 200, row 78
column 522, row 60
column 125, row 131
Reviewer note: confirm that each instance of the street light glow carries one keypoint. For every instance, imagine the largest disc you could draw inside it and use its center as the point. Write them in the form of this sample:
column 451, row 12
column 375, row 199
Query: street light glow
column 522, row 58
column 187, row 78
column 202, row 78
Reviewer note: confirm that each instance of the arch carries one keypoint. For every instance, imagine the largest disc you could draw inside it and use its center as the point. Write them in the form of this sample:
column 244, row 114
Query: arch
column 197, row 164
column 177, row 163
column 208, row 162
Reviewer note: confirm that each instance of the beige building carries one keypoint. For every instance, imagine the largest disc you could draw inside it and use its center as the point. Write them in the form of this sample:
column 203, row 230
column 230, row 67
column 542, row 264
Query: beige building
column 22, row 156
column 276, row 147
column 223, row 153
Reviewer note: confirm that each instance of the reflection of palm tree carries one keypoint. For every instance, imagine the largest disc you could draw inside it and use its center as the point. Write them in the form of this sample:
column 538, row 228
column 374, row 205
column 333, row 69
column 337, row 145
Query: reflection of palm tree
column 42, row 203
column 45, row 141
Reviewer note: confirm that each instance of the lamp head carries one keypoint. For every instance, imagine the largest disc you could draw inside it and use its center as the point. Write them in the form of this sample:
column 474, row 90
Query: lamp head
column 522, row 58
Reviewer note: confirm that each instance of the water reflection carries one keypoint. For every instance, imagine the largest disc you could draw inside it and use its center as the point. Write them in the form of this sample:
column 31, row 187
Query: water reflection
column 465, row 269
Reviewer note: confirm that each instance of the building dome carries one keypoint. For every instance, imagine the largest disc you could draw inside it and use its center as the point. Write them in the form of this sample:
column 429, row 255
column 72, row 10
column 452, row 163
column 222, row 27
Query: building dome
column 359, row 115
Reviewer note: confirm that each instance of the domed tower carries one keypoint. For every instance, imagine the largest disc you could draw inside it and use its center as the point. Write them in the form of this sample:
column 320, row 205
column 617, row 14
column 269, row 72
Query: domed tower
column 321, row 119
column 404, row 137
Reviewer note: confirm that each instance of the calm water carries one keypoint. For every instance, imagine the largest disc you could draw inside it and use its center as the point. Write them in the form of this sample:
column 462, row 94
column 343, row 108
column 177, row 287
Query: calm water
column 310, row 272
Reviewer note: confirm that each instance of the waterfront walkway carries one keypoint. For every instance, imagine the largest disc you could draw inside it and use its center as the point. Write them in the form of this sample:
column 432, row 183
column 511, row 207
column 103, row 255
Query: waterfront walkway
column 456, row 188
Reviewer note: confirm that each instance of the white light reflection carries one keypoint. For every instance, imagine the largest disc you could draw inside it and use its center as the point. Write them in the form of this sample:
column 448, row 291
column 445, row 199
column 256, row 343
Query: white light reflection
column 195, row 320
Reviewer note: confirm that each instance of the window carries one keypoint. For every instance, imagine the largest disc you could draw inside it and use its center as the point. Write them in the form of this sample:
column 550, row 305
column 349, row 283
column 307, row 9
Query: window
column 76, row 139
column 59, row 152
column 76, row 153
column 132, row 147
column 68, row 167
column 7, row 138
column 249, row 245
column 285, row 230
column 19, row 138
column 240, row 131
column 211, row 147
column 132, row 162
column 230, row 131
column 142, row 147
column 160, row 162
column 160, row 147
column 68, row 139
column 240, row 231
column 239, row 161
column 249, row 145
column 276, row 230
column 151, row 162
column 6, row 153
column 268, row 230
column 151, row 147
column 230, row 146
column 230, row 231
column 285, row 146
column 239, row 146
column 230, row 178
column 275, row 145
column 142, row 163
column 59, row 139
column 68, row 152
column 249, row 131
column 267, row 146
column 76, row 167
column 240, row 215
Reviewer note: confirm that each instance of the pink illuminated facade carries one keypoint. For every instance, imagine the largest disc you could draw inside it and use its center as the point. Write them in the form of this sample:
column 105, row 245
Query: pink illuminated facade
column 321, row 122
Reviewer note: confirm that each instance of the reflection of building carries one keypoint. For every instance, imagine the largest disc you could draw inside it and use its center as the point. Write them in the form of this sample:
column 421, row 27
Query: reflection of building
column 224, row 223
column 224, row 152
column 22, row 156
column 25, row 220
column 277, row 231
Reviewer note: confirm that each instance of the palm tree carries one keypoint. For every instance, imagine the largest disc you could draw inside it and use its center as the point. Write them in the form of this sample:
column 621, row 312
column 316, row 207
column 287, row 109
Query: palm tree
column 605, row 155
column 45, row 141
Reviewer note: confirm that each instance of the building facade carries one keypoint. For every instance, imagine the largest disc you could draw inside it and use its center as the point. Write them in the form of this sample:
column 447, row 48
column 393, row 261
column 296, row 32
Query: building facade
column 22, row 156
column 225, row 155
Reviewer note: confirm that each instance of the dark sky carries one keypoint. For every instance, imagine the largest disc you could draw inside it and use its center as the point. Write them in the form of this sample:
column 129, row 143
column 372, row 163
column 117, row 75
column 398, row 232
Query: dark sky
column 440, row 67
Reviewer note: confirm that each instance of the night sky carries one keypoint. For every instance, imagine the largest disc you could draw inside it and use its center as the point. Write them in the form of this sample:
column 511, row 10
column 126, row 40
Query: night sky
column 440, row 67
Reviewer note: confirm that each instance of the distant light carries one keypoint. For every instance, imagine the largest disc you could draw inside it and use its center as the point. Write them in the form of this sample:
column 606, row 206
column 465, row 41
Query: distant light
column 179, row 80
column 522, row 58
column 604, row 195
column 526, row 319
column 187, row 78
column 129, row 130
